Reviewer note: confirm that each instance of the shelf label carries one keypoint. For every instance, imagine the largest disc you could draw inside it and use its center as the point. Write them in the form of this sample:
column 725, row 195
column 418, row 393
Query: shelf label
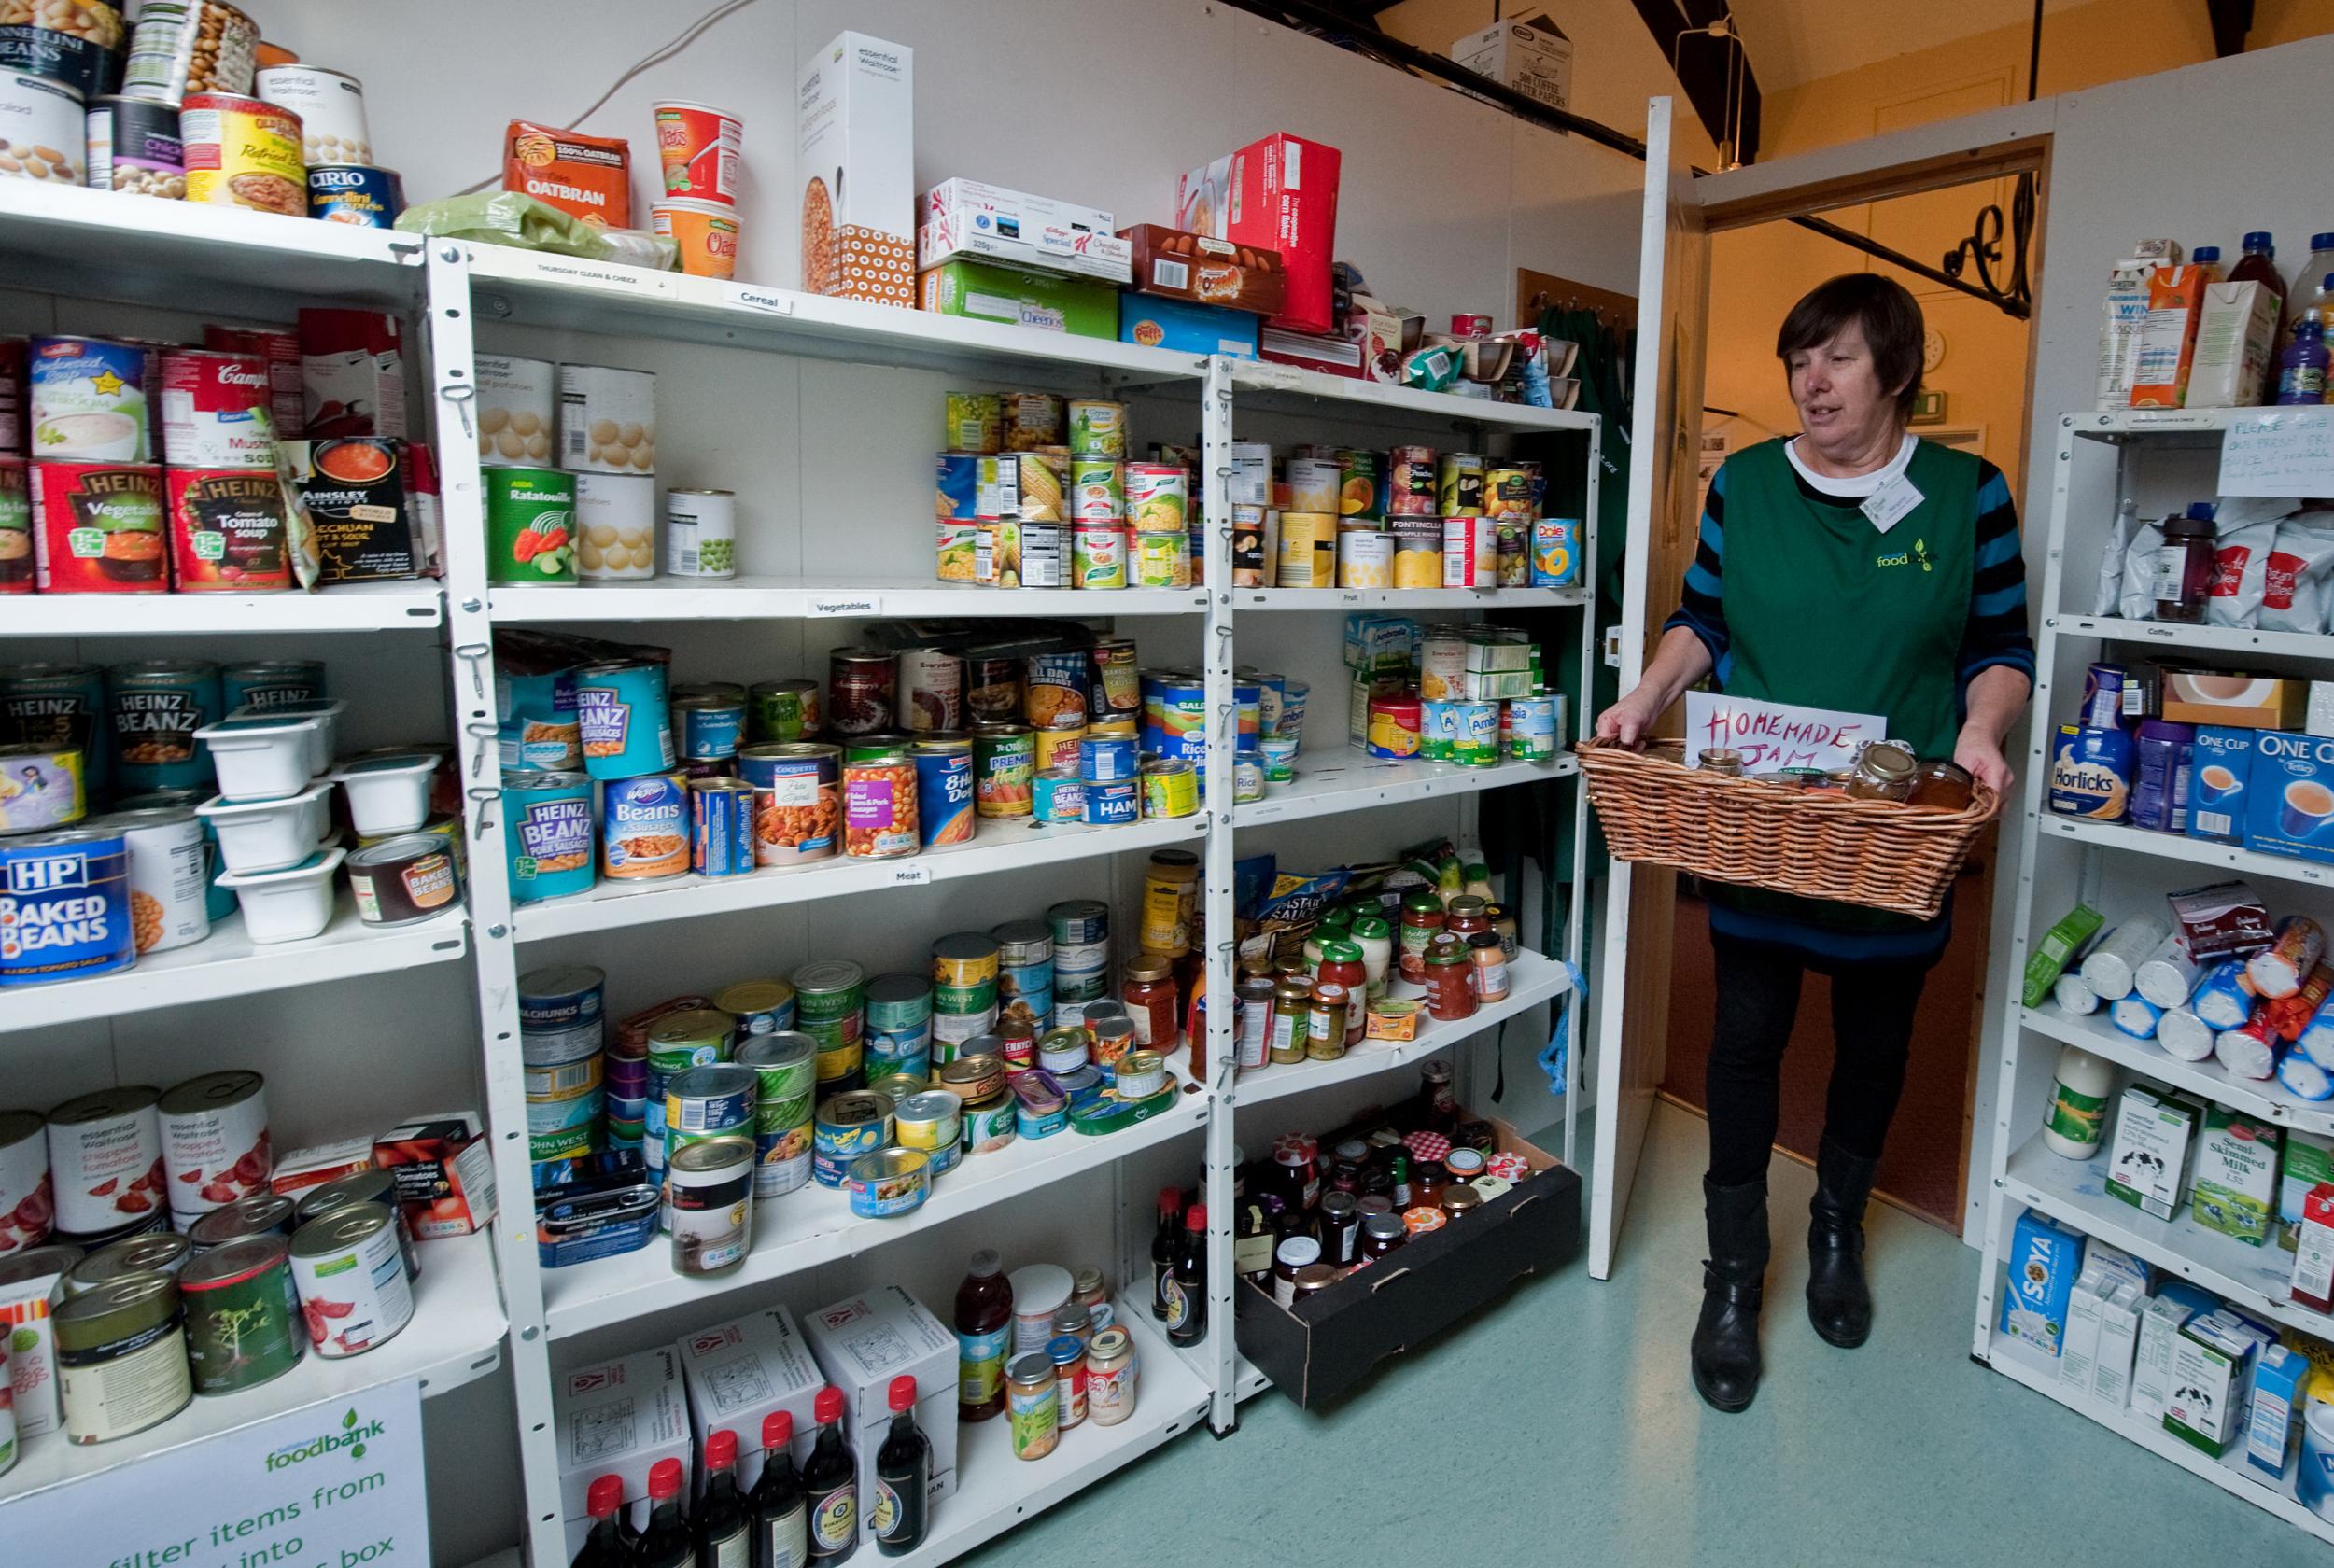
column 759, row 296
column 851, row 605
column 624, row 280
column 914, row 875
column 338, row 1481
column 2288, row 452
column 1348, row 595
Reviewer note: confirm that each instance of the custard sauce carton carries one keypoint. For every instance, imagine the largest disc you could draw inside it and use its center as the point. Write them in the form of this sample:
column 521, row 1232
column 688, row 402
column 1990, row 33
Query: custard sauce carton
column 2175, row 307
column 2046, row 1260
column 2290, row 805
column 2236, row 341
column 2222, row 770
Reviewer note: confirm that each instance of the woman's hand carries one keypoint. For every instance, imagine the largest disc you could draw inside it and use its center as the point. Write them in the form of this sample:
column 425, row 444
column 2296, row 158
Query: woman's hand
column 1630, row 720
column 1981, row 754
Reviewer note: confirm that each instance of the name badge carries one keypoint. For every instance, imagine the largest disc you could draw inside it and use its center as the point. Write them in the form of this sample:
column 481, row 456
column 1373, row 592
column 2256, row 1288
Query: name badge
column 1887, row 506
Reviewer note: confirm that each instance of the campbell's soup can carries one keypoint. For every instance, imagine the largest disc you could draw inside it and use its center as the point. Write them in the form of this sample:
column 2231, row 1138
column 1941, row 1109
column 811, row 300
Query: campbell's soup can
column 217, row 410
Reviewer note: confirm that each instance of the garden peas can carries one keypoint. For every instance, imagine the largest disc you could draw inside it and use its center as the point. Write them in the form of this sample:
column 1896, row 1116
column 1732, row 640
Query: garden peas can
column 548, row 832
column 155, row 707
column 530, row 527
column 242, row 1316
column 782, row 711
column 624, row 720
column 829, row 997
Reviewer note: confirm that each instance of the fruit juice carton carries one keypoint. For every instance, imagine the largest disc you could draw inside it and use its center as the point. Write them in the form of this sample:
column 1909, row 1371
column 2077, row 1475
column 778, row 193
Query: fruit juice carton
column 2175, row 307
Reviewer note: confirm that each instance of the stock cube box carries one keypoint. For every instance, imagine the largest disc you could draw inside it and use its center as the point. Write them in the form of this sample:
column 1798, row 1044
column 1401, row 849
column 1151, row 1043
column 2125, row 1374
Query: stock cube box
column 1279, row 194
column 618, row 1418
column 862, row 1343
column 2289, row 806
column 740, row 1371
column 1014, row 296
column 1157, row 323
column 856, row 154
column 2221, row 773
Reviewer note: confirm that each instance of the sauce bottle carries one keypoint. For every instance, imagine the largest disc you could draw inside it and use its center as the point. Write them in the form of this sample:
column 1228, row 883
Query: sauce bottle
column 902, row 1478
column 604, row 1548
column 832, row 1479
column 1187, row 1309
column 1375, row 938
column 984, row 1329
column 781, row 1522
column 665, row 1544
column 1342, row 963
column 1165, row 1242
column 723, row 1531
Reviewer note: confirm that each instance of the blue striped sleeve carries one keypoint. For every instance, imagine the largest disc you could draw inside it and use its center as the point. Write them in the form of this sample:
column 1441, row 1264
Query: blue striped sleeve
column 1996, row 632
column 1702, row 603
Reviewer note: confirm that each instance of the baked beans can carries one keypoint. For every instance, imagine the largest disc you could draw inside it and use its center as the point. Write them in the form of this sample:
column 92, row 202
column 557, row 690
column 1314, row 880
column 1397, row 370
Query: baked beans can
column 242, row 152
column 783, row 710
column 1098, row 429
column 1005, row 760
column 974, row 422
column 549, row 833
column 530, row 527
column 350, row 1271
column 607, row 419
column 155, row 707
column 704, row 235
column 331, row 109
column 1098, row 555
column 862, row 691
column 798, row 806
column 709, row 719
column 1365, row 558
column 721, row 817
column 1098, row 490
column 229, row 531
column 90, row 399
column 169, row 875
column 215, row 1147
column 401, row 880
column 217, row 410
column 1060, row 796
column 943, row 790
column 97, row 527
column 133, row 148
column 1470, row 551
column 45, row 789
column 624, row 719
column 106, row 1157
column 181, row 47
column 645, row 827
column 879, row 807
column 701, row 533
column 1158, row 498
column 17, row 567
column 1410, row 481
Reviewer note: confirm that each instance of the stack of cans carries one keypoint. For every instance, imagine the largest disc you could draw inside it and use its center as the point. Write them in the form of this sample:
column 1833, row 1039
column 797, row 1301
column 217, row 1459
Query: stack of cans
column 1080, row 930
column 561, row 1029
column 963, row 993
column 1025, row 968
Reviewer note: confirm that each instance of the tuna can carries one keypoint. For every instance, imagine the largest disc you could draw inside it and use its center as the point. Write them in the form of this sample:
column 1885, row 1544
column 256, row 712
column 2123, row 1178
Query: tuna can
column 783, row 710
column 845, row 1128
column 1107, row 759
column 1141, row 1074
column 401, row 880
column 616, row 528
column 1078, row 923
column 899, row 1033
column 1059, row 796
column 707, row 1100
column 240, row 152
column 361, row 194
column 1062, row 1050
column 261, row 1214
column 530, row 527
column 701, row 534
column 548, row 834
column 351, row 1274
column 929, row 1121
column 1004, row 762
column 624, row 719
column 990, row 1125
column 708, row 1199
column 1040, row 1108
column 517, row 407
column 1529, row 730
column 974, row 422
column 88, row 400
column 721, row 822
column 829, row 996
column 121, row 1358
column 157, row 1251
column 645, row 831
column 607, row 419
column 760, row 1007
column 785, row 1068
column 331, row 109
column 65, row 907
column 888, row 1184
column 797, row 804
column 1170, row 788
column 565, row 1104
column 215, row 1148
column 242, row 1316
column 944, row 790
column 963, row 964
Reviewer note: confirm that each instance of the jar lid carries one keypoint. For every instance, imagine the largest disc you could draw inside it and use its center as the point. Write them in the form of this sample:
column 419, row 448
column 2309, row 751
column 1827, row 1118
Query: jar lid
column 1313, row 1276
column 1109, row 1344
column 1293, row 987
column 1422, row 899
column 1383, row 1225
column 1034, row 1367
column 1072, row 1316
column 1085, row 1279
column 1458, row 1200
column 1484, row 939
column 1338, row 1203
column 1428, row 1145
column 1887, row 759
column 1329, row 991
column 1339, row 950
column 1371, row 928
column 1297, row 1250
column 1447, row 953
column 1148, row 967
column 1465, row 1164
column 1353, row 1149
column 1468, row 903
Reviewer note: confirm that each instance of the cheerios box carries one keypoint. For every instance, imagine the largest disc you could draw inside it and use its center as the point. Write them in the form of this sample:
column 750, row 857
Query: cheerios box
column 2046, row 1260
column 2289, row 805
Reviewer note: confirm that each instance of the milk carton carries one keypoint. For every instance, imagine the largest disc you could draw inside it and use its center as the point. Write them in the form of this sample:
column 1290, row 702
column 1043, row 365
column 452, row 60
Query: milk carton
column 2150, row 1156
column 2162, row 1320
column 2222, row 771
column 2212, row 1360
column 2234, row 1190
column 2118, row 1342
column 2079, row 1349
column 2289, row 809
column 2046, row 1260
column 2277, row 1381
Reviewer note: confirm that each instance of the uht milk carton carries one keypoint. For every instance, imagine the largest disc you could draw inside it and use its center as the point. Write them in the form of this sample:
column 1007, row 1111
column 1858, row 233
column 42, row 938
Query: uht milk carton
column 2046, row 1260
column 2289, row 809
column 2234, row 1188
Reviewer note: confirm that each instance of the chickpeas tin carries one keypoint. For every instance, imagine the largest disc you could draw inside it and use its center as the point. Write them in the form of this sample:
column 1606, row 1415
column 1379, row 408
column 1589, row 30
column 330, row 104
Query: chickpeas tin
column 121, row 1358
column 354, row 1291
column 889, row 1182
column 243, row 1318
column 709, row 1198
column 845, row 1128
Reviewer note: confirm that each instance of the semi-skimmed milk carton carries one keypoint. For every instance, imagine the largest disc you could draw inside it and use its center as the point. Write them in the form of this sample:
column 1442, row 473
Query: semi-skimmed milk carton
column 2222, row 769
column 2046, row 1260
column 2234, row 1187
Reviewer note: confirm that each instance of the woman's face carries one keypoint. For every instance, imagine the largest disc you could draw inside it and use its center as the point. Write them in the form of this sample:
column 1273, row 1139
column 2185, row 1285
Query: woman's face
column 1843, row 406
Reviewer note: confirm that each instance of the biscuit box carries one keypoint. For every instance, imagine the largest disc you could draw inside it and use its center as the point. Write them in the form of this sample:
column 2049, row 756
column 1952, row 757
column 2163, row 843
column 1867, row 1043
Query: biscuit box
column 2289, row 807
column 2046, row 1260
column 2220, row 773
column 1204, row 271
column 1280, row 192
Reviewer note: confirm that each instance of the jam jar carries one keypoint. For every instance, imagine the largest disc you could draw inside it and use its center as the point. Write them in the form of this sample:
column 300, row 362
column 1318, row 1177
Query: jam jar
column 1883, row 770
column 1339, row 1220
column 1289, row 1257
column 1467, row 914
column 1382, row 1234
column 1450, row 988
column 1943, row 785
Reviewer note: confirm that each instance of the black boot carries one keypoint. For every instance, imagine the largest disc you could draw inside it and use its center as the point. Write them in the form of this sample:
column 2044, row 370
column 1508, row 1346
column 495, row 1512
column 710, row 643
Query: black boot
column 1727, row 1340
column 1839, row 1303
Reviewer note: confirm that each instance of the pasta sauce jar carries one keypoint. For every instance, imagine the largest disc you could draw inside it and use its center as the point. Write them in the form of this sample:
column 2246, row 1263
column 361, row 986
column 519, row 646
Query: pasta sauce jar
column 1450, row 990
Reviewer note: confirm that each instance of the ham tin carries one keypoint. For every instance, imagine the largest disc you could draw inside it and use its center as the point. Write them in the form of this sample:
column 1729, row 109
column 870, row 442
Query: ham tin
column 88, row 400
column 645, row 830
column 889, row 1182
column 360, row 194
column 106, row 1157
column 1112, row 804
column 624, row 719
column 708, row 1199
column 216, row 1145
column 354, row 1292
column 401, row 880
column 721, row 827
column 97, row 527
column 244, row 1323
column 549, row 833
column 66, row 899
column 797, row 804
column 45, row 789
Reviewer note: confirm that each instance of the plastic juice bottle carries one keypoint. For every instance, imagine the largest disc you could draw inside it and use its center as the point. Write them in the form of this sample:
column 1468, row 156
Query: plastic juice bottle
column 2301, row 368
column 2304, row 292
column 2259, row 264
column 984, row 1332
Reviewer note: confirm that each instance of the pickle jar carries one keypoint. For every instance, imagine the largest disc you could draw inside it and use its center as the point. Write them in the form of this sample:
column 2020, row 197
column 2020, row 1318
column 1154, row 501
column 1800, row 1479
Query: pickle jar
column 1292, row 1008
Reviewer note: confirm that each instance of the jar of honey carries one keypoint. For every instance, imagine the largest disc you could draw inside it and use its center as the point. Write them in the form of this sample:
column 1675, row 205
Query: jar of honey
column 1942, row 786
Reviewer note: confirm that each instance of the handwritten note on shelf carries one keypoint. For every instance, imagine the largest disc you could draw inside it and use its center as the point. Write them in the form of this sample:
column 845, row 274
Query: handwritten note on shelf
column 2278, row 452
column 1775, row 735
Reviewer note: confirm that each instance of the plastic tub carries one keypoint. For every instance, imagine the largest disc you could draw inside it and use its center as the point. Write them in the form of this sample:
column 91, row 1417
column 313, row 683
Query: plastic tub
column 261, row 757
column 323, row 741
column 256, row 837
column 388, row 792
column 288, row 906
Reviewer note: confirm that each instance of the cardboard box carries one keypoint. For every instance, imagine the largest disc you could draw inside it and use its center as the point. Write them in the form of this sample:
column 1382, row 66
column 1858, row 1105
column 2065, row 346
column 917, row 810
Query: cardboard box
column 1390, row 1019
column 2161, row 1318
column 1281, row 194
column 2175, row 303
column 1178, row 264
column 1530, row 55
column 2318, row 720
column 445, row 1172
column 856, row 154
column 965, row 218
column 2309, row 1160
column 1385, row 336
column 740, row 1371
column 2236, row 343
column 2119, row 1343
column 2046, row 1260
column 1330, row 356
column 618, row 1418
column 2234, row 1188
column 2253, row 701
column 1051, row 301
column 2211, row 1362
column 302, row 1168
column 2278, row 1374
column 2221, row 773
column 861, row 1344
column 2289, row 807
column 1318, row 1350
column 2148, row 1164
column 1157, row 323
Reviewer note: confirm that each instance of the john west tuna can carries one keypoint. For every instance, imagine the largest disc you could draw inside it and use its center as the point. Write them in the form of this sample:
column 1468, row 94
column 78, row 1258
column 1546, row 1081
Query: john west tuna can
column 351, row 1277
column 243, row 1319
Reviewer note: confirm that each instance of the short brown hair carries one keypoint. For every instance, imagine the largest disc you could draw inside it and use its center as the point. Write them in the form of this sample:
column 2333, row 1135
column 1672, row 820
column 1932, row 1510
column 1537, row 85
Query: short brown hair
column 1886, row 312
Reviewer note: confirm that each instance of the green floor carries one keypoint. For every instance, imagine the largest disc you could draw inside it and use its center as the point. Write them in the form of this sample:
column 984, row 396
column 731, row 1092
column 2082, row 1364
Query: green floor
column 1561, row 1428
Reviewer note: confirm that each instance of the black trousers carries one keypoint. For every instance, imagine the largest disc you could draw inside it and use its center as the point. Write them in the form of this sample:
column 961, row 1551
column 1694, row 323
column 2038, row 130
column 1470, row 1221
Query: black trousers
column 1872, row 1030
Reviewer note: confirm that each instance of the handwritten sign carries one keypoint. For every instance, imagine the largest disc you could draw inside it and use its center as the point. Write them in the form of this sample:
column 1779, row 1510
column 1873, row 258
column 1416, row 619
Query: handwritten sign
column 1775, row 735
column 2284, row 452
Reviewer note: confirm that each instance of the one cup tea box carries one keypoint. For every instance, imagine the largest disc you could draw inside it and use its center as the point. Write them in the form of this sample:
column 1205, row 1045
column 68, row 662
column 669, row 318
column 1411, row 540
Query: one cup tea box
column 2148, row 1163
column 2289, row 805
column 2222, row 771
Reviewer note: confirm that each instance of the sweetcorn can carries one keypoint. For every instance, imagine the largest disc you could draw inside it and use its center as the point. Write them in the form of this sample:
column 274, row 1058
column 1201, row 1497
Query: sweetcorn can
column 1098, row 429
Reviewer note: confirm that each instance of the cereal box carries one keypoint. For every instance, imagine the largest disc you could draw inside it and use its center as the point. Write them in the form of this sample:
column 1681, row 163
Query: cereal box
column 855, row 146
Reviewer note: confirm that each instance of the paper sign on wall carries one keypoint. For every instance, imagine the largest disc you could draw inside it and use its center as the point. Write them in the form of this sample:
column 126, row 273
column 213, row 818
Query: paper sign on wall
column 1775, row 735
column 2280, row 451
column 331, row 1484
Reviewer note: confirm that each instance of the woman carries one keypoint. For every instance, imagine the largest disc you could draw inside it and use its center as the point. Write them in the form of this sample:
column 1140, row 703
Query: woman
column 1857, row 568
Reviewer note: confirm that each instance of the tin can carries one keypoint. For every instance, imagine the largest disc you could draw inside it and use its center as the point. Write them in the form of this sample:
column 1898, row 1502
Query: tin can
column 1024, row 486
column 216, row 409
column 1417, row 551
column 1170, row 788
column 785, row 1066
column 1098, row 555
column 614, row 530
column 229, row 531
column 1161, row 559
column 1033, row 422
column 549, row 833
column 43, row 115
column 1003, row 765
column 930, row 684
column 994, row 691
column 607, row 419
column 962, row 962
column 1555, row 556
column 56, row 709
column 974, row 422
column 1393, row 729
column 1514, row 540
column 1098, row 429
column 401, row 880
column 1056, row 749
column 90, row 399
column 624, row 718
column 1112, row 804
column 1529, row 729
column 564, row 1105
column 351, row 1276
column 943, row 790
column 1475, row 733
column 783, row 710
column 182, row 46
column 261, row 1214
column 709, row 719
column 562, row 1014
column 1459, row 485
column 862, row 691
column 65, row 910
column 121, row 1358
column 157, row 705
column 1365, row 558
column 1059, row 691
column 1157, row 499
column 889, row 1182
column 244, row 1324
column 645, row 827
column 240, row 151
column 1470, row 551
column 1098, row 490
column 707, row 1101
column 1308, row 550
column 215, row 1147
column 701, row 533
column 1410, row 481
column 19, row 565
column 1058, row 795
column 1509, row 491
column 760, row 1007
column 27, row 1197
column 879, row 807
column 709, row 1197
column 169, row 871
column 846, row 1127
column 518, row 402
column 531, row 525
column 829, row 996
column 797, row 808
column 331, row 109
column 97, row 527
column 721, row 827
column 156, row 1252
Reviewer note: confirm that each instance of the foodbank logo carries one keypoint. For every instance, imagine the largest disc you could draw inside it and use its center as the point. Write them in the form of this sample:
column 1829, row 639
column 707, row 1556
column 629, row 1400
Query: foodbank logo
column 350, row 1439
column 1916, row 556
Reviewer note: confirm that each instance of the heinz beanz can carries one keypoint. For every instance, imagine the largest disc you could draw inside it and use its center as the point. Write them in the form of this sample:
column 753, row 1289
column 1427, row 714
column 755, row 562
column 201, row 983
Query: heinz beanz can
column 548, row 832
column 623, row 714
column 155, row 707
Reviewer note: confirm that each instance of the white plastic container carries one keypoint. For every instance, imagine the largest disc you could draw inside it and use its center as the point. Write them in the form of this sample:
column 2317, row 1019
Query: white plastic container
column 261, row 756
column 388, row 793
column 258, row 836
column 288, row 906
column 2076, row 1118
column 324, row 741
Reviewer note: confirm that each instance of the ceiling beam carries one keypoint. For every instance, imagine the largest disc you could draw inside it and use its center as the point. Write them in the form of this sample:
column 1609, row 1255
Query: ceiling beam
column 2232, row 21
column 1705, row 65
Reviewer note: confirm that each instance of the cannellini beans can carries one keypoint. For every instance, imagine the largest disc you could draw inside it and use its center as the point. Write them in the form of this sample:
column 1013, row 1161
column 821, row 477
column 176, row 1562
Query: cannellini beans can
column 607, row 419
column 215, row 1147
column 105, row 1155
column 701, row 533
column 615, row 526
column 518, row 402
column 331, row 109
column 351, row 1274
column 27, row 1203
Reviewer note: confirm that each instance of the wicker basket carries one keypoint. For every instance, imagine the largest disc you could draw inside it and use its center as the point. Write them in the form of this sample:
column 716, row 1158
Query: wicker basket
column 1817, row 845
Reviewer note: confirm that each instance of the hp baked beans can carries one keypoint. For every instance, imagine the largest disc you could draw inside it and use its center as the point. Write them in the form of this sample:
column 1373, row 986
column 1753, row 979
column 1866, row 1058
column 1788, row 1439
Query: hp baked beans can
column 97, row 527
column 549, row 833
column 797, row 803
column 106, row 1156
column 645, row 831
column 215, row 1146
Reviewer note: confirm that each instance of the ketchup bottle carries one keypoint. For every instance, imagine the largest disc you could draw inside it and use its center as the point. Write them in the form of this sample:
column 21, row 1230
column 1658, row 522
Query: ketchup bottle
column 984, row 1333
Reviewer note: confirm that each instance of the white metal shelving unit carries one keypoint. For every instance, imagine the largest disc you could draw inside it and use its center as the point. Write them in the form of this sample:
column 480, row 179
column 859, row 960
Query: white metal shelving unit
column 2160, row 458
column 488, row 1297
